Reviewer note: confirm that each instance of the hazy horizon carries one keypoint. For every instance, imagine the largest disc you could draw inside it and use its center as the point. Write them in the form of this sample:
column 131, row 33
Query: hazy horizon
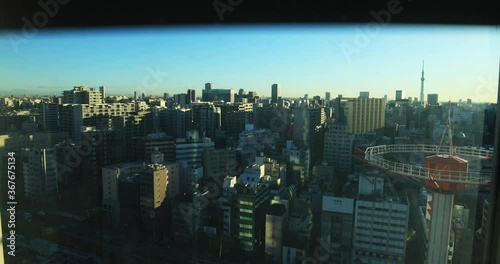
column 460, row 62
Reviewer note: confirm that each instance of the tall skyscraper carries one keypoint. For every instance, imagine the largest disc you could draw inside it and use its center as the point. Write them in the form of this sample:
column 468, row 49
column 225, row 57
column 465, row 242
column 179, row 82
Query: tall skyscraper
column 327, row 98
column 422, row 79
column 399, row 95
column 275, row 93
column 135, row 95
column 209, row 86
column 432, row 99
column 191, row 95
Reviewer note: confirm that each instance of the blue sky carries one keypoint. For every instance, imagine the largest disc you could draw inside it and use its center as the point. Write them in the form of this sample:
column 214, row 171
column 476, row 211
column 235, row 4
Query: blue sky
column 460, row 62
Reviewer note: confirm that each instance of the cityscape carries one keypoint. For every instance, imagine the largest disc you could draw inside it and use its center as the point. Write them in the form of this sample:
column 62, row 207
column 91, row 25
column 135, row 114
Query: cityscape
column 272, row 173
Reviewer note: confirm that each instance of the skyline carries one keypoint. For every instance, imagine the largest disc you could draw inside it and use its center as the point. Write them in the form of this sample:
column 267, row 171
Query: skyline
column 460, row 62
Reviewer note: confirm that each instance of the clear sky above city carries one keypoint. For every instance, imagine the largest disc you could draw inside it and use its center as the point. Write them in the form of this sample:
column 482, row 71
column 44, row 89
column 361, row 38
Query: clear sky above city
column 460, row 62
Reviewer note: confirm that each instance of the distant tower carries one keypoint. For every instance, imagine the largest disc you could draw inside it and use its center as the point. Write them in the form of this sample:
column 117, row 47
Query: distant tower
column 275, row 93
column 422, row 84
column 400, row 95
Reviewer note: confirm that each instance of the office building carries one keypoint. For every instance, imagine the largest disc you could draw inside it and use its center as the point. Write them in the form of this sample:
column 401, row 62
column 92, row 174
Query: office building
column 276, row 223
column 189, row 176
column 209, row 94
column 186, row 217
column 40, row 176
column 338, row 145
column 151, row 182
column 82, row 95
column 111, row 177
column 219, row 163
column 191, row 96
column 381, row 222
column 277, row 119
column 299, row 160
column 50, row 116
column 175, row 121
column 191, row 148
column 75, row 116
column 327, row 98
column 105, row 151
column 181, row 99
column 337, row 228
column 157, row 183
column 102, row 90
column 275, row 93
column 308, row 129
column 249, row 207
column 365, row 114
column 206, row 118
column 144, row 146
column 234, row 122
column 364, row 94
column 432, row 99
column 400, row 95
column 254, row 141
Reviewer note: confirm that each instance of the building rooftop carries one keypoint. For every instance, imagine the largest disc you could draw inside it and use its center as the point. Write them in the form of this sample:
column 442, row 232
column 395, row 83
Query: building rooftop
column 398, row 198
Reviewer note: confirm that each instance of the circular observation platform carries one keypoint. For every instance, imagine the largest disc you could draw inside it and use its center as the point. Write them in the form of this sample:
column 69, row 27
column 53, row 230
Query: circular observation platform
column 441, row 171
